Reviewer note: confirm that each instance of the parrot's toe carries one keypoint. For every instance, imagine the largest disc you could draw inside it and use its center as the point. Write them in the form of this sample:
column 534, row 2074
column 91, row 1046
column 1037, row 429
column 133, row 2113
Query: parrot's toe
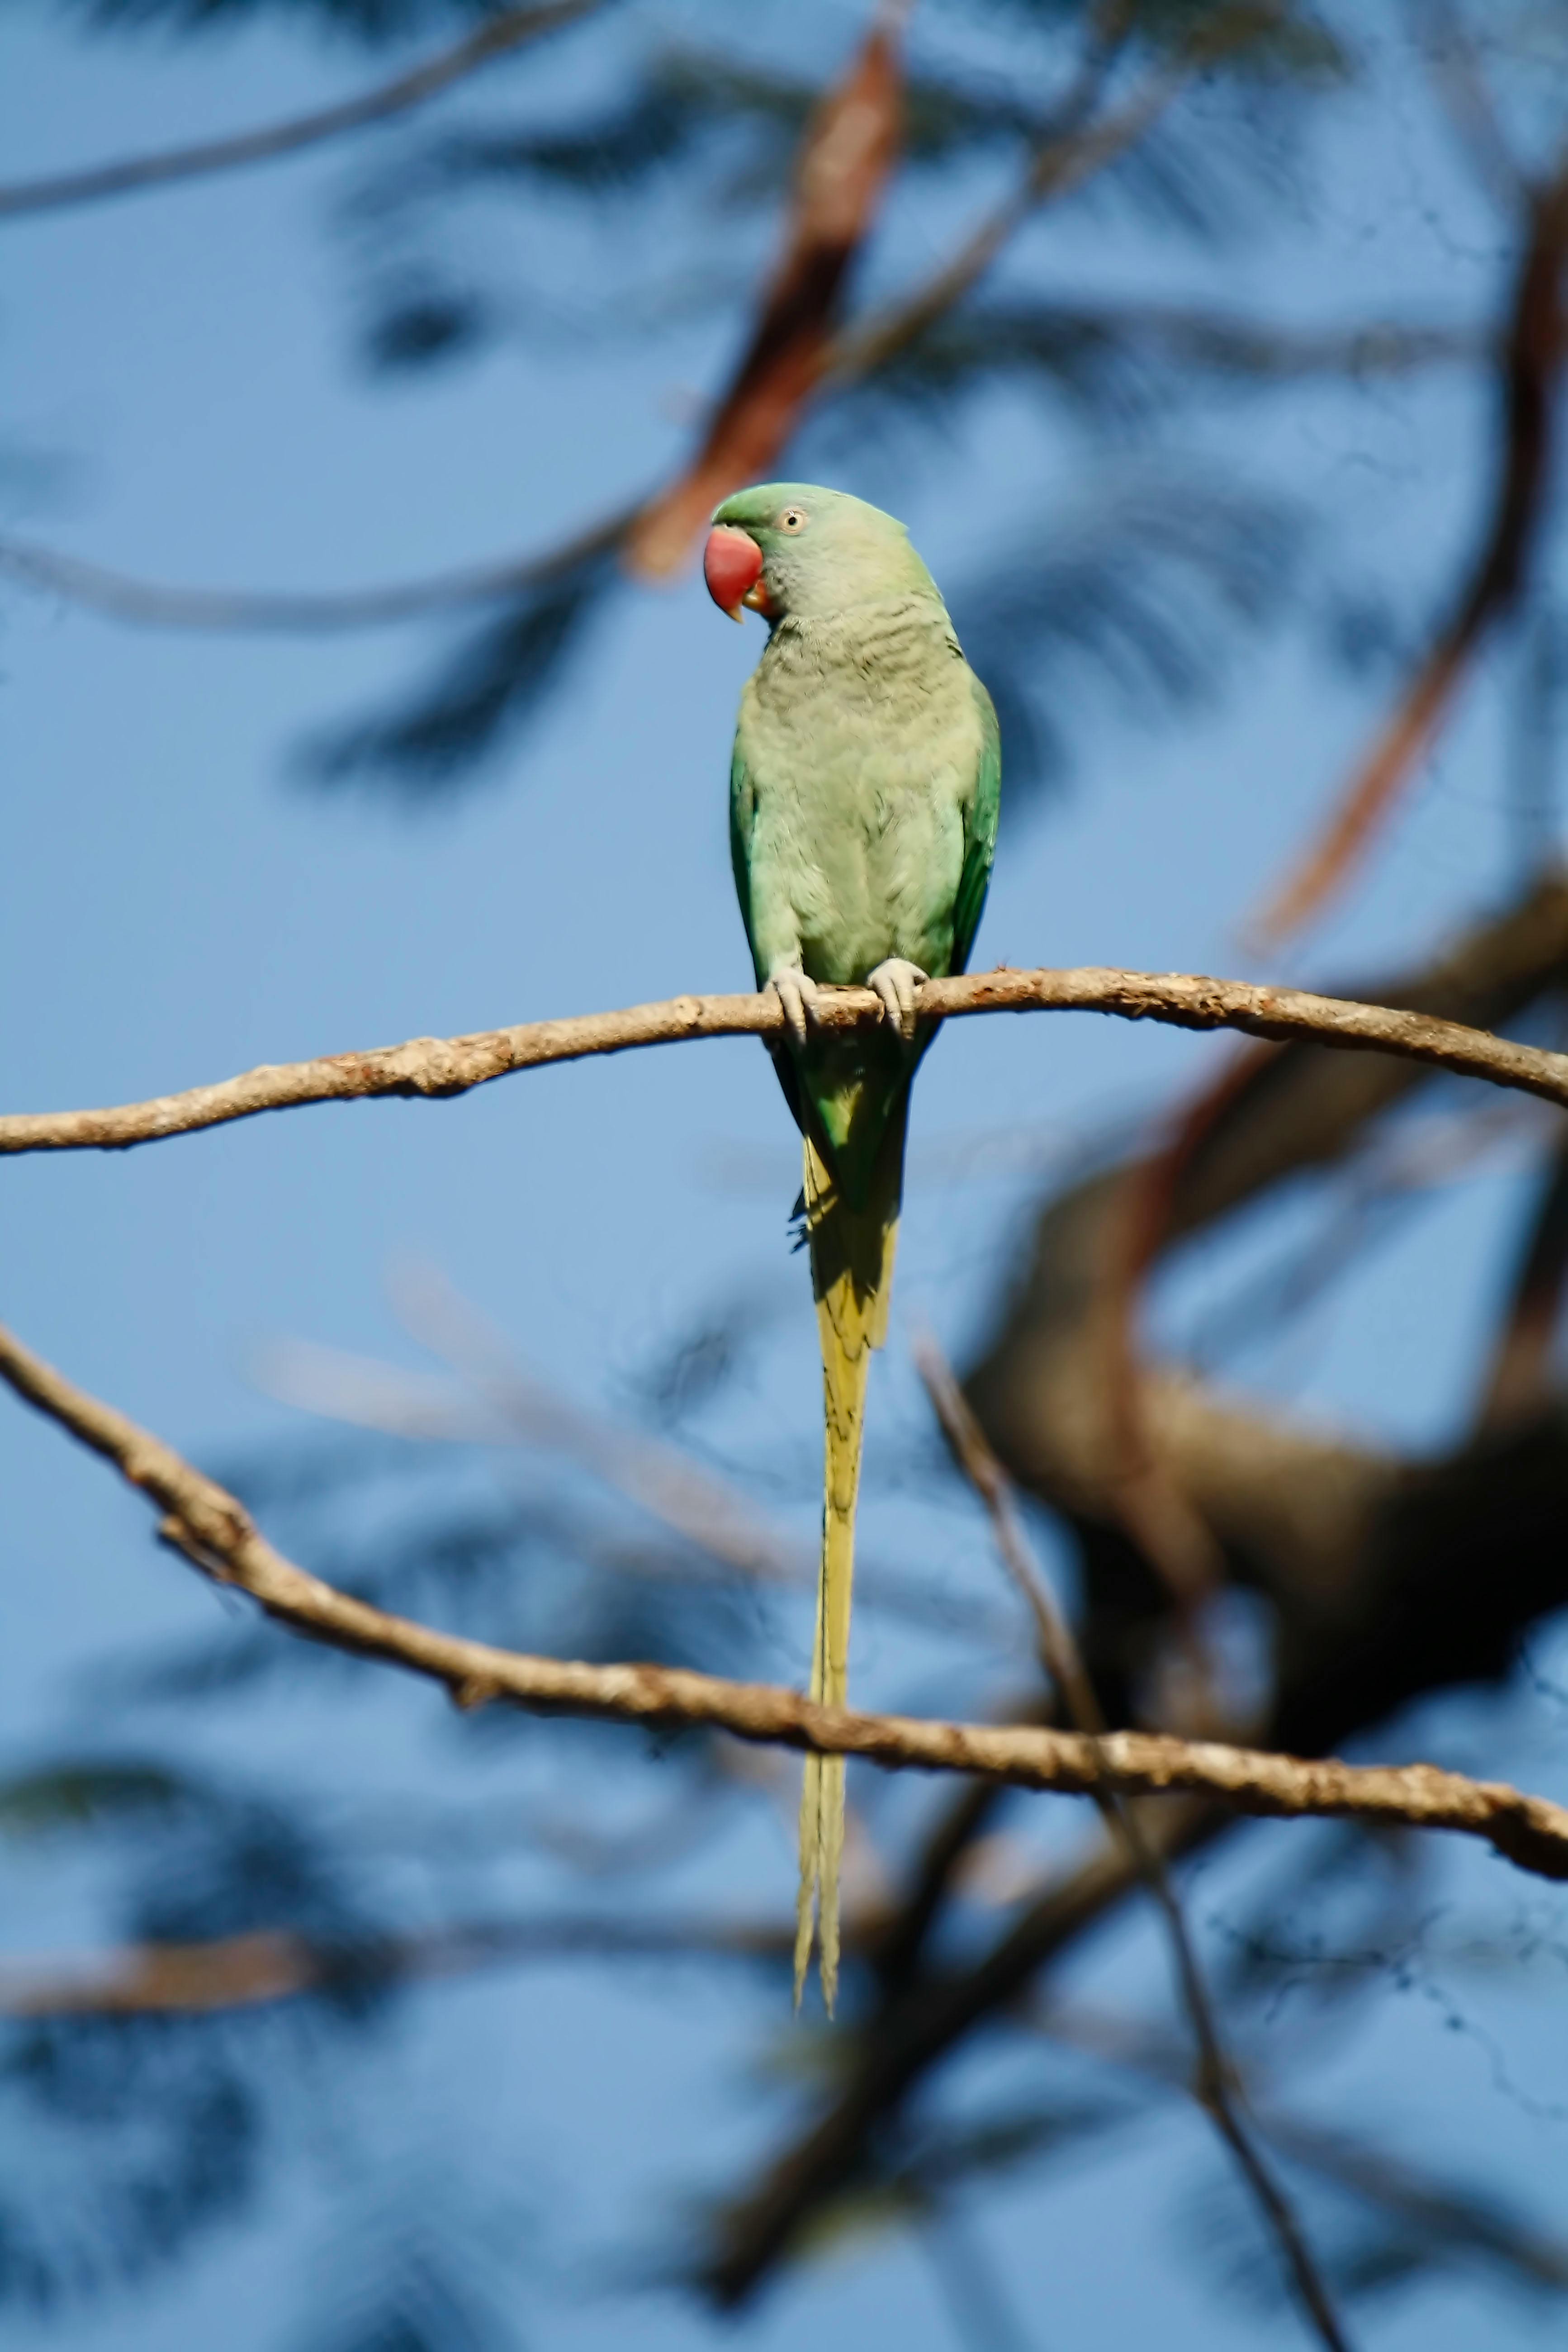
column 796, row 993
column 895, row 982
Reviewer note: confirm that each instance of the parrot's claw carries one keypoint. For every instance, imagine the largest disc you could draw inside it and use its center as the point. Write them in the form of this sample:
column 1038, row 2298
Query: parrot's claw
column 895, row 982
column 796, row 993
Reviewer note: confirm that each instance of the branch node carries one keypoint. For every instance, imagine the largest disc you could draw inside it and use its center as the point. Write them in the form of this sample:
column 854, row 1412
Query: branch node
column 473, row 1691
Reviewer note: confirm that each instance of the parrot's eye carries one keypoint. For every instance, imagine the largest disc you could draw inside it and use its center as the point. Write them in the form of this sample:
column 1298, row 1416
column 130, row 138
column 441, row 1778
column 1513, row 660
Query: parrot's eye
column 792, row 518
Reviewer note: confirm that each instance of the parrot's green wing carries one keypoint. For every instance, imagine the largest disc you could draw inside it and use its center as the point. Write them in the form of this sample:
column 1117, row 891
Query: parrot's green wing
column 743, row 816
column 979, row 834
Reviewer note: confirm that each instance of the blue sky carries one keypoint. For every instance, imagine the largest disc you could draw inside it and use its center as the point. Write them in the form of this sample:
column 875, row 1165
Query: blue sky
column 176, row 906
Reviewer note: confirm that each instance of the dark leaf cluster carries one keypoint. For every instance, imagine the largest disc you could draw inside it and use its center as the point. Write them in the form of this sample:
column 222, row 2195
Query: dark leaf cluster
column 479, row 699
column 1145, row 593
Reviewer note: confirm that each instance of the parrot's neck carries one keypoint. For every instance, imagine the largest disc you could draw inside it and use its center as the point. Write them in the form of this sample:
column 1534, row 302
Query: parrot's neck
column 888, row 636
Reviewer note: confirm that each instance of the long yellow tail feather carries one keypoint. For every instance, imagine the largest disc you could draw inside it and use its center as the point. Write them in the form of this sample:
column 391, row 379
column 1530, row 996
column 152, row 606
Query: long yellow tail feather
column 852, row 1253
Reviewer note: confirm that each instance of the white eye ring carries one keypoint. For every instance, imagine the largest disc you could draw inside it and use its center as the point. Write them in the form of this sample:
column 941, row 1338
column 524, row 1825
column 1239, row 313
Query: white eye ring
column 792, row 518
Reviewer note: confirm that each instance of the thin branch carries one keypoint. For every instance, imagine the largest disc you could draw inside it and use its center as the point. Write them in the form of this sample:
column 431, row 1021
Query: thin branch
column 152, row 604
column 133, row 173
column 1062, row 163
column 1444, row 2213
column 1204, row 338
column 1201, row 338
column 1081, row 146
column 983, row 2317
column 214, row 1531
column 696, row 1504
column 709, row 1517
column 452, row 1065
column 1282, row 351
column 1150, row 1501
column 907, row 2039
column 896, row 1949
column 848, row 151
column 1056, row 170
column 1466, row 99
column 265, row 1965
column 1530, row 361
column 1216, row 2086
column 147, row 604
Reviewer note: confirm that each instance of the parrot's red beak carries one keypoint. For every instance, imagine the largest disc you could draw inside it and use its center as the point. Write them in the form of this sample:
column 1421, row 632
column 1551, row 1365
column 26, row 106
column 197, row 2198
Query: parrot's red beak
column 732, row 567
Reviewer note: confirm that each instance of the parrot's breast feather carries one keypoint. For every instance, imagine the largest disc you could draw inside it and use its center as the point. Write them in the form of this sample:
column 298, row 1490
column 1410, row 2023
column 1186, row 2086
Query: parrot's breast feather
column 862, row 745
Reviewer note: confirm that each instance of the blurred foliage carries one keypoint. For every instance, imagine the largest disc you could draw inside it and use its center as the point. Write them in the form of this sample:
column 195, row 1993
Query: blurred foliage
column 363, row 21
column 713, row 137
column 1130, row 582
column 1148, row 596
column 479, row 697
column 79, row 1796
column 419, row 2274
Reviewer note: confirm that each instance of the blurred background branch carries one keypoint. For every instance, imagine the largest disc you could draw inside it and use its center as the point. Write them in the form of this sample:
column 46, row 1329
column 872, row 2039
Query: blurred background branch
column 503, row 34
column 1212, row 352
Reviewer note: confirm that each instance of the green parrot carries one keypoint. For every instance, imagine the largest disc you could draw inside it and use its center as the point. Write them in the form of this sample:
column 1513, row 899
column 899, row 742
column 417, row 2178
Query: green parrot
column 863, row 799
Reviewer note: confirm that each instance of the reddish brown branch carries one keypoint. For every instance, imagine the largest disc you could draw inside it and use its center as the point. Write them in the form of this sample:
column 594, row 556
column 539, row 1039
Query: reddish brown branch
column 1532, row 357
column 1058, row 167
column 847, row 158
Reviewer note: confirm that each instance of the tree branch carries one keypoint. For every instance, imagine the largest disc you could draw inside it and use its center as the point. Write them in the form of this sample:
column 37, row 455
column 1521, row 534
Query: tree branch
column 153, row 605
column 214, row 1531
column 1531, row 360
column 905, row 2039
column 1461, row 85
column 1217, row 2085
column 1058, row 168
column 1062, row 162
column 1443, row 2213
column 846, row 157
column 1391, row 1577
column 451, row 1065
column 132, row 173
column 1198, row 338
column 265, row 1965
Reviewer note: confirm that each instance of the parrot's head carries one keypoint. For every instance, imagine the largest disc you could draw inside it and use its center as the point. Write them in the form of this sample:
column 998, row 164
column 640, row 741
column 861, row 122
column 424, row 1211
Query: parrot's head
column 793, row 549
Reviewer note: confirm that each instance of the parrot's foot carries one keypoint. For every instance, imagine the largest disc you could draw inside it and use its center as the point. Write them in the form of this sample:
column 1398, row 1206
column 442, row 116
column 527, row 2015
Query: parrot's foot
column 797, row 994
column 895, row 982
